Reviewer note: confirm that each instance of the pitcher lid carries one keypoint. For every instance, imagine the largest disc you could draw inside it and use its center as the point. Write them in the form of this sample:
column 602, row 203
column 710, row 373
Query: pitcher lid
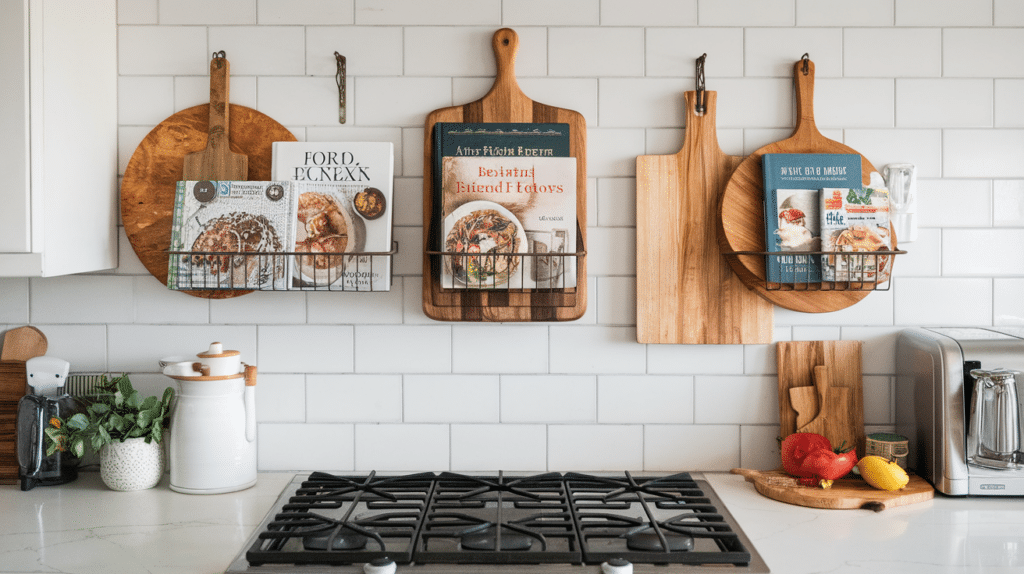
column 217, row 350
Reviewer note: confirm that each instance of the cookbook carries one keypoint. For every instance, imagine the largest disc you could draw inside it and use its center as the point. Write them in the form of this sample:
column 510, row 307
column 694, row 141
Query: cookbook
column 855, row 223
column 344, row 207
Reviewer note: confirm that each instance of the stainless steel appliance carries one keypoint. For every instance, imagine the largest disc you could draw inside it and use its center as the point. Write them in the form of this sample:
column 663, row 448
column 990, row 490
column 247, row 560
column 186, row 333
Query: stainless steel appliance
column 958, row 393
column 451, row 523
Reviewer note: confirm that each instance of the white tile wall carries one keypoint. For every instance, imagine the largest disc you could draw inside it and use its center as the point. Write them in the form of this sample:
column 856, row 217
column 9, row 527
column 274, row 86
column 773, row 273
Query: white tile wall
column 935, row 83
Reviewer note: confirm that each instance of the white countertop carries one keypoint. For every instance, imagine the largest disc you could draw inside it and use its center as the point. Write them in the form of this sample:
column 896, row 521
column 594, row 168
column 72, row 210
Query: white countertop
column 85, row 528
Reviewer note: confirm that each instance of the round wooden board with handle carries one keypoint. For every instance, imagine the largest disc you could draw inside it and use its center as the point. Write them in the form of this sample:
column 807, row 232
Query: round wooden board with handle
column 148, row 186
column 845, row 494
column 741, row 210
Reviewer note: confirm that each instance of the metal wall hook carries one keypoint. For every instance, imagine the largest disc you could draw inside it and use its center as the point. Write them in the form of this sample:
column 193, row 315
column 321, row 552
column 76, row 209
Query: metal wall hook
column 701, row 105
column 340, row 78
column 805, row 59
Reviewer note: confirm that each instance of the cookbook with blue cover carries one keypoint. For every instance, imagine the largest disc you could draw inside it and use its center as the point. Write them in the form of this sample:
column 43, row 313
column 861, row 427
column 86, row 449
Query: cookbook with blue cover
column 792, row 190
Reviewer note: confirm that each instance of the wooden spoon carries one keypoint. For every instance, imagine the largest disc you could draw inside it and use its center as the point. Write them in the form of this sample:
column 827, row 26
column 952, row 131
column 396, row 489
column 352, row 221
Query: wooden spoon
column 23, row 343
column 217, row 162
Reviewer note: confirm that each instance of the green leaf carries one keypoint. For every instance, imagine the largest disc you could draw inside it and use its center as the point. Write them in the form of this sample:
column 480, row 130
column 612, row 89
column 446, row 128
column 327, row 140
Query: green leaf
column 52, row 433
column 99, row 409
column 104, row 435
column 78, row 446
column 51, row 449
column 145, row 417
column 149, row 404
column 157, row 433
column 133, row 399
column 78, row 422
column 124, row 386
column 168, row 396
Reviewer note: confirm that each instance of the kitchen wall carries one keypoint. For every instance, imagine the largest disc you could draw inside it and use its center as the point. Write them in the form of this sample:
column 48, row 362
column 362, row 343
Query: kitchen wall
column 360, row 381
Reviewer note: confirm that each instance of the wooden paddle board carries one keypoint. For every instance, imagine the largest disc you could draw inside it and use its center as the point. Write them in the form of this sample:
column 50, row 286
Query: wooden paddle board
column 23, row 343
column 505, row 102
column 839, row 413
column 845, row 493
column 148, row 186
column 217, row 162
column 741, row 224
column 686, row 292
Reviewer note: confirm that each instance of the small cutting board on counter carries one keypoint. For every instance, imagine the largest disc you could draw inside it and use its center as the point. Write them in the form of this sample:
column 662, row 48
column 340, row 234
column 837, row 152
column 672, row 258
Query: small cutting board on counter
column 686, row 292
column 846, row 493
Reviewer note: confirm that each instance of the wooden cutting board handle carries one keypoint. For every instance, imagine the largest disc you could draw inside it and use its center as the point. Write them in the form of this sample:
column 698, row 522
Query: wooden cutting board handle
column 803, row 75
column 217, row 161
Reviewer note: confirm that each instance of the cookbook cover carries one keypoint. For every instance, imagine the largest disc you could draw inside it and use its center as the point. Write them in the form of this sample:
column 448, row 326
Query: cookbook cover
column 215, row 219
column 792, row 184
column 854, row 223
column 493, row 207
column 344, row 206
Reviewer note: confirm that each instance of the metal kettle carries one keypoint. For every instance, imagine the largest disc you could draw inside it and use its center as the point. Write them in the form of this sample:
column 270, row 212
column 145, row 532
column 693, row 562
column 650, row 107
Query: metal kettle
column 993, row 440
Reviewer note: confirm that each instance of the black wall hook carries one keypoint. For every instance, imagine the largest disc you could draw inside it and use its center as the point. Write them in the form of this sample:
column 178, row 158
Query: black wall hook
column 701, row 105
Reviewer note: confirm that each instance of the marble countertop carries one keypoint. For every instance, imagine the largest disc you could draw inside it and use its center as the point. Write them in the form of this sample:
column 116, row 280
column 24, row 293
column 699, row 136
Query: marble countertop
column 85, row 528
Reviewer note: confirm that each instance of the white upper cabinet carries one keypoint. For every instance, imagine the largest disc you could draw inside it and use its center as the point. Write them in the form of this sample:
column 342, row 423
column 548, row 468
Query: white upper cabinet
column 58, row 137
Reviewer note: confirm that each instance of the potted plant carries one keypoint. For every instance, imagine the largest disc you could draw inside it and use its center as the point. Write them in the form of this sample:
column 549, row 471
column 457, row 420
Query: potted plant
column 124, row 428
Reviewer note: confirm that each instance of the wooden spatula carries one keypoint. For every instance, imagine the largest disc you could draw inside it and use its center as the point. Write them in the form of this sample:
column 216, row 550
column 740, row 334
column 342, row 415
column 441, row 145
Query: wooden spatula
column 23, row 343
column 217, row 162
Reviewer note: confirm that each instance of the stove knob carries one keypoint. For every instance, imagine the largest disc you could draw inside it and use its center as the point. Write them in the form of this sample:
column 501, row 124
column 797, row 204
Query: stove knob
column 380, row 566
column 617, row 566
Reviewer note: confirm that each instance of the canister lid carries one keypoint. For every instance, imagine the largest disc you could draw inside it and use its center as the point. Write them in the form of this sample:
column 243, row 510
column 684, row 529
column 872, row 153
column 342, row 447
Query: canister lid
column 216, row 350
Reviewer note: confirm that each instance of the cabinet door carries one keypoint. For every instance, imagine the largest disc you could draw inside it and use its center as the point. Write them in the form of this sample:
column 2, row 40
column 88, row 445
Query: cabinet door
column 60, row 63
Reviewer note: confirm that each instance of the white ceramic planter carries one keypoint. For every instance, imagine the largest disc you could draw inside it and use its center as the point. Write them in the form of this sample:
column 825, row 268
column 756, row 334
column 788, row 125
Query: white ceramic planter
column 132, row 464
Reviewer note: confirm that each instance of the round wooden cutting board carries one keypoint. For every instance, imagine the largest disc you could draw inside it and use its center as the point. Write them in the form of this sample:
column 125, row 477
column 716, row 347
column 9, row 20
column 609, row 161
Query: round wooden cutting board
column 846, row 493
column 148, row 186
column 741, row 210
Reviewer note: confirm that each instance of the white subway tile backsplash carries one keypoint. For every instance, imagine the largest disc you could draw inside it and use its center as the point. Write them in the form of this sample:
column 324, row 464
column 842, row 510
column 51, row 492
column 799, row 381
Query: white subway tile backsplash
column 376, row 51
column 649, row 12
column 1008, row 202
column 595, row 447
column 305, row 349
column 875, row 309
column 611, row 251
column 616, row 301
column 1007, row 13
column 946, row 102
column 260, row 307
column 923, row 257
column 970, row 252
column 954, row 203
column 648, row 102
column 1007, row 304
column 677, row 447
column 195, row 90
column 137, row 12
column 674, row 52
column 616, row 202
column 817, row 333
column 878, row 401
column 281, row 398
column 353, row 398
column 402, row 101
column 14, row 300
column 696, row 359
column 264, row 50
column 445, row 51
column 772, row 52
column 486, row 448
column 760, row 359
column 305, row 447
column 144, row 100
column 854, row 103
column 450, row 399
column 755, row 139
column 504, row 349
column 419, row 13
column 379, row 307
column 643, row 399
column 943, row 12
column 759, row 446
column 602, row 52
column 204, row 12
column 968, row 52
column 162, row 51
column 82, row 299
column 923, row 148
column 611, row 350
column 138, row 348
column 747, row 13
column 545, row 13
column 878, row 354
column 983, row 153
column 1009, row 93
column 404, row 447
column 943, row 301
column 548, row 398
column 400, row 349
column 892, row 52
column 409, row 259
column 408, row 205
column 155, row 303
column 303, row 100
column 612, row 152
column 85, row 347
column 843, row 13
column 577, row 94
column 322, row 12
column 733, row 399
column 756, row 103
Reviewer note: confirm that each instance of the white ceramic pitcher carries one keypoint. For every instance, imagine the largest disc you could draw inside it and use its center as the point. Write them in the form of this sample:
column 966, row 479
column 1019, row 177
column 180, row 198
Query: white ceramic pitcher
column 213, row 433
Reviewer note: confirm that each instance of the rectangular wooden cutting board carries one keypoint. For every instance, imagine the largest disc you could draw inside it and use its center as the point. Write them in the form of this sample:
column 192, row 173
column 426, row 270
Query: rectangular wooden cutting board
column 686, row 292
column 505, row 102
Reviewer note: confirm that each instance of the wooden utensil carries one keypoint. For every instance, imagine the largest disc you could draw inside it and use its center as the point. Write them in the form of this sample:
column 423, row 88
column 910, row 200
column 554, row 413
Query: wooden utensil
column 23, row 343
column 846, row 493
column 505, row 102
column 741, row 212
column 804, row 401
column 843, row 407
column 217, row 162
column 686, row 292
column 148, row 186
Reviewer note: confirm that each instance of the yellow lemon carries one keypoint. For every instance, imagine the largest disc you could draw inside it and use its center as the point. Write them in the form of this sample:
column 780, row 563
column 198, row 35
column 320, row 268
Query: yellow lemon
column 882, row 474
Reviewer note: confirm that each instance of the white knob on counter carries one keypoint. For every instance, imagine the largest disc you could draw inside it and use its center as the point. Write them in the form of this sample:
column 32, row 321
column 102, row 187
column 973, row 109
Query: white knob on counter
column 380, row 566
column 617, row 566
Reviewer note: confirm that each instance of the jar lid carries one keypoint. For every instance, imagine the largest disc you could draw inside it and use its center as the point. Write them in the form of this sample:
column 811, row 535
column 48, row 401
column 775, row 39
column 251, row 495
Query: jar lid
column 216, row 350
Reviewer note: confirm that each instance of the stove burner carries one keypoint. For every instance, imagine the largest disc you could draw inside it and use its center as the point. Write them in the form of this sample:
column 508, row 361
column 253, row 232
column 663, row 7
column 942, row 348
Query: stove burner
column 648, row 540
column 344, row 540
column 487, row 539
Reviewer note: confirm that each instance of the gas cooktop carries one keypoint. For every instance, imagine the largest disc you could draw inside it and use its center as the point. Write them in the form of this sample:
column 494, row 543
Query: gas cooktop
column 544, row 523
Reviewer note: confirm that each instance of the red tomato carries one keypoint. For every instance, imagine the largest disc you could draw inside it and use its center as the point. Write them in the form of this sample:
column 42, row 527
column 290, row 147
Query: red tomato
column 797, row 446
column 825, row 464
